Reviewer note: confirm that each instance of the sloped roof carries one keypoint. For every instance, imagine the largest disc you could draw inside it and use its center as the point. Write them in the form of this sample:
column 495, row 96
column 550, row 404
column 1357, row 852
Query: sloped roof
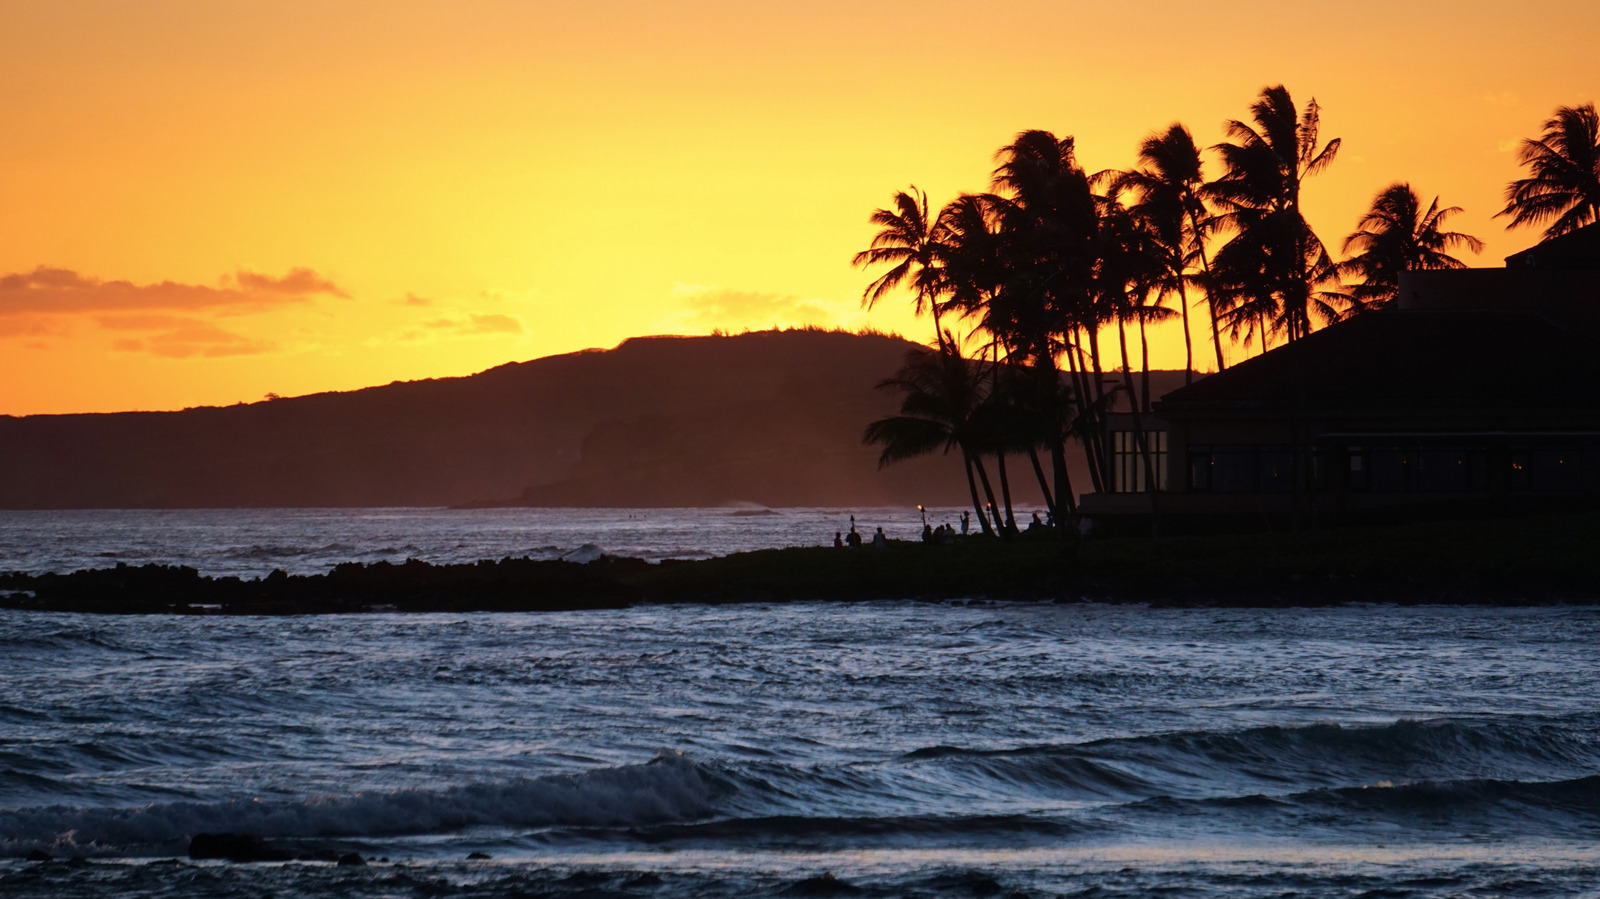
column 1425, row 360
column 1579, row 249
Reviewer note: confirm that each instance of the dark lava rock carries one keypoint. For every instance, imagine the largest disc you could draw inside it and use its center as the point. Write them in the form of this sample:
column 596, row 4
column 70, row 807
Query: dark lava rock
column 824, row 884
column 39, row 855
column 317, row 855
column 236, row 847
column 352, row 860
column 479, row 856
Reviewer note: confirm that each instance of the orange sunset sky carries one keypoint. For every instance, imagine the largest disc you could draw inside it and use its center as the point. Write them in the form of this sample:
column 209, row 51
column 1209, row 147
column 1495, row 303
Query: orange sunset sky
column 203, row 202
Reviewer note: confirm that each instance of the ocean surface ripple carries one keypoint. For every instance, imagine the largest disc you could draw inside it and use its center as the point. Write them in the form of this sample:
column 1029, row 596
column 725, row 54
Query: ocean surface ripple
column 871, row 749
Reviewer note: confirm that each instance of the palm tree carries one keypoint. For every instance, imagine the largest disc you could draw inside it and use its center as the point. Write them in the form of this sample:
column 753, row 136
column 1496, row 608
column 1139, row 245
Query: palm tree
column 1275, row 274
column 1397, row 235
column 1564, row 187
column 1169, row 183
column 909, row 241
column 941, row 398
column 1045, row 306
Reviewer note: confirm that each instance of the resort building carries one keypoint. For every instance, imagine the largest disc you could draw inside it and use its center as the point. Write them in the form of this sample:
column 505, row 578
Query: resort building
column 1477, row 391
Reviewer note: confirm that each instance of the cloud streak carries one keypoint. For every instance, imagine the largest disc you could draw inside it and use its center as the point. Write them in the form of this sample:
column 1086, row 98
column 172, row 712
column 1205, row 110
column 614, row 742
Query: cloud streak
column 477, row 324
column 53, row 291
column 177, row 337
column 701, row 306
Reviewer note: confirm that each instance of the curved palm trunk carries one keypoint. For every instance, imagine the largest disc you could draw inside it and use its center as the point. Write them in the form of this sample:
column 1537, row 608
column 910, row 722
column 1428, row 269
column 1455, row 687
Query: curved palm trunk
column 938, row 329
column 988, row 490
column 1044, row 484
column 1101, row 434
column 1010, row 525
column 1188, row 339
column 1144, row 367
column 1080, row 390
column 972, row 488
column 1211, row 301
column 1094, row 449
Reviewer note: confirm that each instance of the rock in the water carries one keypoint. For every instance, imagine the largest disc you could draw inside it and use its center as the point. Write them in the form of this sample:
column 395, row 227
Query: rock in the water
column 479, row 856
column 584, row 554
column 352, row 860
column 236, row 847
column 824, row 884
column 39, row 855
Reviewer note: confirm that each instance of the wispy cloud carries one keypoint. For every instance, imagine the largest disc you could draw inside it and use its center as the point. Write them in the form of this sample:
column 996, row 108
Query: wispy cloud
column 299, row 282
column 26, row 326
column 700, row 306
column 477, row 324
column 50, row 291
column 178, row 337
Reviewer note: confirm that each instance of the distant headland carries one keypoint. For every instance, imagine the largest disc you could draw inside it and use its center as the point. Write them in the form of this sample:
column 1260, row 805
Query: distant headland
column 769, row 417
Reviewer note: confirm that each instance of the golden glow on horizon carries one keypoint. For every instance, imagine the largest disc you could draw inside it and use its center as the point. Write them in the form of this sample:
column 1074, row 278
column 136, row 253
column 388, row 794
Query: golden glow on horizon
column 482, row 182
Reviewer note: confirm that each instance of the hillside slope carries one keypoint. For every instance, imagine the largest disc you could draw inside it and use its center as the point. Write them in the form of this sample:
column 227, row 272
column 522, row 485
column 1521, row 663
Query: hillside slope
column 770, row 417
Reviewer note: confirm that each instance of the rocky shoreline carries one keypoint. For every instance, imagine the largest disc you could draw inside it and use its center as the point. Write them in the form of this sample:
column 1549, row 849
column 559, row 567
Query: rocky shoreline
column 1548, row 559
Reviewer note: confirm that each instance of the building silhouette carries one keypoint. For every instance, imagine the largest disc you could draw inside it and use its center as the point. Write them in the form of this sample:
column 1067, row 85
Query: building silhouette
column 1476, row 392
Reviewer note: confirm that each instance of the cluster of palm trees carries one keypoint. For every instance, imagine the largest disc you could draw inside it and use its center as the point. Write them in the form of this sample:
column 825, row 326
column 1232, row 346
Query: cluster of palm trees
column 1037, row 287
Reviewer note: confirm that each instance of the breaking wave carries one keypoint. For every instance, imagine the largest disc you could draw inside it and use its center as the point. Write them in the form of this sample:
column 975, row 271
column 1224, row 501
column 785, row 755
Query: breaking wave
column 668, row 788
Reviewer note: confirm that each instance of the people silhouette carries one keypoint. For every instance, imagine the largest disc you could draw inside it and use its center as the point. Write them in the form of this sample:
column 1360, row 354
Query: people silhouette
column 879, row 539
column 838, row 540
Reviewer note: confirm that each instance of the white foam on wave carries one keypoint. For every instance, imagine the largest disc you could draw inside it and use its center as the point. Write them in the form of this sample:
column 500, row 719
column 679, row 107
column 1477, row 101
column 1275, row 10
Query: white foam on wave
column 668, row 788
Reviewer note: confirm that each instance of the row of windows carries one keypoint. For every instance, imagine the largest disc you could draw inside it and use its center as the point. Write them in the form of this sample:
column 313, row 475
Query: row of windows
column 1127, row 463
column 1568, row 466
column 1249, row 468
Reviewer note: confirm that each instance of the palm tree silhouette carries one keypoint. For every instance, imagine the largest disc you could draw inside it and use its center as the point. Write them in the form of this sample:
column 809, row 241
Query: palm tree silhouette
column 942, row 398
column 1169, row 183
column 1564, row 185
column 1046, row 215
column 909, row 241
column 1397, row 235
column 1275, row 274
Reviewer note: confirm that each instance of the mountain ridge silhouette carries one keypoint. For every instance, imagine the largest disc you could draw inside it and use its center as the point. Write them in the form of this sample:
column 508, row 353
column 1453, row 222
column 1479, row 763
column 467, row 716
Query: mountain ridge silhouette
column 769, row 417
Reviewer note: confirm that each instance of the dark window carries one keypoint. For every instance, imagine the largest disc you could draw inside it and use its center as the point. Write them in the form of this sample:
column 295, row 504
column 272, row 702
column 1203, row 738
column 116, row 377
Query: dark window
column 1356, row 471
column 1277, row 469
column 1451, row 470
column 1127, row 463
column 1234, row 469
column 1388, row 469
column 1554, row 467
column 1200, row 463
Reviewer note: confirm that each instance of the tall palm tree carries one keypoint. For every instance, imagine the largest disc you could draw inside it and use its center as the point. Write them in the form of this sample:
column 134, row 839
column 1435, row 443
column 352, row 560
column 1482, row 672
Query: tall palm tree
column 1275, row 273
column 1398, row 235
column 909, row 241
column 1169, row 184
column 942, row 396
column 1047, row 218
column 1564, row 185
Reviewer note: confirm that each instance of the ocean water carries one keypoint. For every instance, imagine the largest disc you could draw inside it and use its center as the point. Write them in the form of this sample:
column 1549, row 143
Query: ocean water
column 252, row 542
column 868, row 749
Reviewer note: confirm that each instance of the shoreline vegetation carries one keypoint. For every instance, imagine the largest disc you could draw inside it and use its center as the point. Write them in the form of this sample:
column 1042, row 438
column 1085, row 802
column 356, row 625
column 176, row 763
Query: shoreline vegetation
column 1546, row 559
